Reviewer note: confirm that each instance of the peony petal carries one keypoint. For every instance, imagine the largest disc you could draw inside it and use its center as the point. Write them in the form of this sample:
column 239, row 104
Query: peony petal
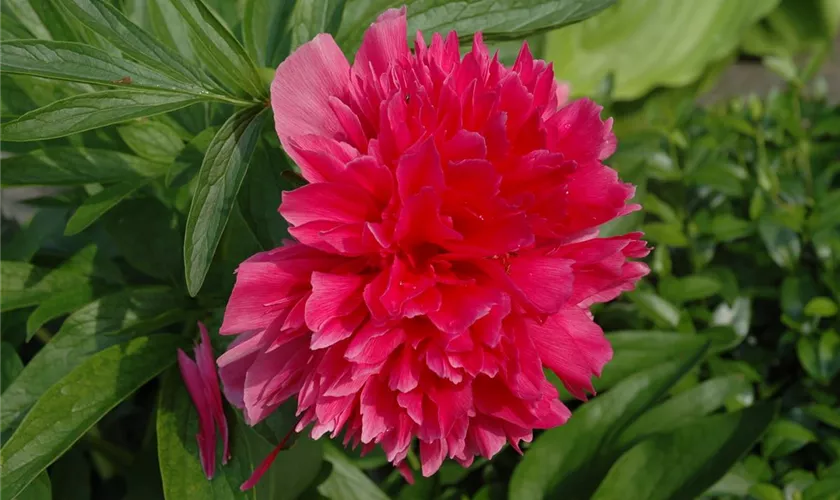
column 303, row 85
column 384, row 42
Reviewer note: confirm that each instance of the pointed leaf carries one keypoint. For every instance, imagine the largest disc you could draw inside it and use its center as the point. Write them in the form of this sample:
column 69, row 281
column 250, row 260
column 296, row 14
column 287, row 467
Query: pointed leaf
column 92, row 110
column 97, row 205
column 221, row 175
column 63, row 166
column 81, row 398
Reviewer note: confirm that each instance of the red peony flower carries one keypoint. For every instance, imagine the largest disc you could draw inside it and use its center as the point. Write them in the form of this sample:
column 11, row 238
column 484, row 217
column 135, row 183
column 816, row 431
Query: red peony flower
column 203, row 386
column 447, row 250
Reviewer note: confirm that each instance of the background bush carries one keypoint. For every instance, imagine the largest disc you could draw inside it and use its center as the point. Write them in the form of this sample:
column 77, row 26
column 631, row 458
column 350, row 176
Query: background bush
column 150, row 118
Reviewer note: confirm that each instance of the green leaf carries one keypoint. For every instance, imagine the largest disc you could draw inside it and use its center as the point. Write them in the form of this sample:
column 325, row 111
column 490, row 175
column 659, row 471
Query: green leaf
column 180, row 468
column 785, row 437
column 497, row 20
column 81, row 398
column 645, row 44
column 28, row 17
column 82, row 63
column 221, row 175
column 63, row 166
column 738, row 315
column 97, row 205
column 782, row 243
column 108, row 321
column 149, row 237
column 346, row 481
column 685, row 462
column 220, row 51
column 824, row 489
column 304, row 456
column 111, row 24
column 26, row 285
column 25, row 243
column 821, row 307
column 666, row 233
column 725, row 228
column 825, row 414
column 310, row 17
column 92, row 110
column 263, row 27
column 10, row 365
column 656, row 308
column 168, row 27
column 632, row 353
column 59, row 304
column 572, row 458
column 820, row 357
column 39, row 489
column 154, row 141
column 689, row 288
column 259, row 197
column 684, row 408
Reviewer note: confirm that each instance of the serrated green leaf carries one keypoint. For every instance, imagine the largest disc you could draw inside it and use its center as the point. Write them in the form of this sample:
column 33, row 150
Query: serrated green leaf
column 76, row 166
column 685, row 462
column 82, row 63
column 220, row 51
column 97, row 205
column 108, row 321
column 81, row 398
column 221, row 175
column 92, row 110
column 572, row 458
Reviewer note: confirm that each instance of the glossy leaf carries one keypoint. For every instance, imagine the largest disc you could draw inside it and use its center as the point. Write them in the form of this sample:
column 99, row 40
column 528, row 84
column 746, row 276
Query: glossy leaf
column 655, row 307
column 685, row 462
column 82, row 63
column 76, row 166
column 82, row 397
column 220, row 51
column 221, row 175
column 689, row 288
column 10, row 365
column 26, row 285
column 113, row 26
column 785, row 437
column 59, row 304
column 93, row 110
column 106, row 322
column 649, row 43
column 572, row 458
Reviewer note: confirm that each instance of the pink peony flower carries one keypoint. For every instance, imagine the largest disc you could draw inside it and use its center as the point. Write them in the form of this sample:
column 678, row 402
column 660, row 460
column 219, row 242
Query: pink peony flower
column 447, row 250
column 203, row 386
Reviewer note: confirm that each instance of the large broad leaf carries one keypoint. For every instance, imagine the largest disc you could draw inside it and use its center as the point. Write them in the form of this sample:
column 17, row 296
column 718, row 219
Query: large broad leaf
column 83, row 63
column 108, row 321
column 684, row 408
column 68, row 166
column 346, row 481
column 111, row 24
column 153, row 140
column 180, row 468
column 569, row 461
column 220, row 51
column 97, row 205
column 221, row 175
column 80, row 399
column 793, row 26
column 92, row 110
column 497, row 20
column 687, row 461
column 648, row 43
